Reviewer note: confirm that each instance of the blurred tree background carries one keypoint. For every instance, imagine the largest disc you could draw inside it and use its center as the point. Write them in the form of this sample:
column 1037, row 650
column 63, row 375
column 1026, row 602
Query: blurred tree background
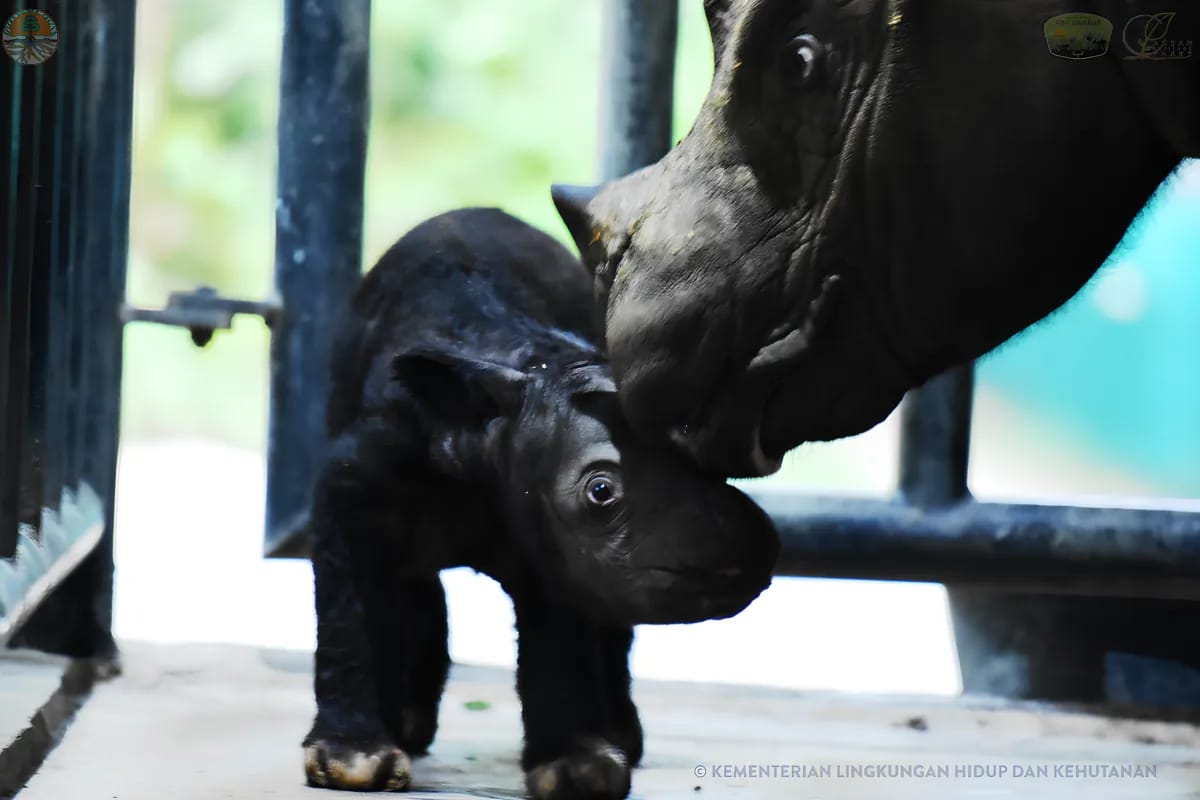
column 477, row 102
column 473, row 103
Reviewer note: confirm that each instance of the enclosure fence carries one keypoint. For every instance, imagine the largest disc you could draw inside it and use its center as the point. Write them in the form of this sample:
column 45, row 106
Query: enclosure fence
column 1041, row 595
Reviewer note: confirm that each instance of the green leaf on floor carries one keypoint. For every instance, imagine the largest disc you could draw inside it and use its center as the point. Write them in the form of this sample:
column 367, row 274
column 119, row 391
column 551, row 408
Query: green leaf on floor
column 477, row 705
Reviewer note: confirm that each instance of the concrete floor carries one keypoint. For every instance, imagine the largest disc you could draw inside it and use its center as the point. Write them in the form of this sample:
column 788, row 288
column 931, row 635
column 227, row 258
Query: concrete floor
column 217, row 722
column 26, row 681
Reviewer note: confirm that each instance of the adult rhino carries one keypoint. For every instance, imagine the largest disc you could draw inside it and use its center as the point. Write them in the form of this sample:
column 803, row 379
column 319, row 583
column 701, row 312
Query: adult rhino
column 872, row 192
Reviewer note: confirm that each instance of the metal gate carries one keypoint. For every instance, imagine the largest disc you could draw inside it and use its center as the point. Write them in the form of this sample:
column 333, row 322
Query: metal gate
column 64, row 181
column 1042, row 596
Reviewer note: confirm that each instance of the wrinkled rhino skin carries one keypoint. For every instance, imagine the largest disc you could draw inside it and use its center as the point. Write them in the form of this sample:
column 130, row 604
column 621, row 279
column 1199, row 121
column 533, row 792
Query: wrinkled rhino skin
column 473, row 422
column 872, row 192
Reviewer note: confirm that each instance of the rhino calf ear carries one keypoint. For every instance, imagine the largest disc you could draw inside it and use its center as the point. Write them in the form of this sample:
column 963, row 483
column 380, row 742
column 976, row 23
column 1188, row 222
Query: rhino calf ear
column 449, row 381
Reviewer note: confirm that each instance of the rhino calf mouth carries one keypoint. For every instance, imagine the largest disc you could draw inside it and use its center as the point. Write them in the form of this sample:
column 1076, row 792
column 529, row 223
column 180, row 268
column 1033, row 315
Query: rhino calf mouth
column 712, row 594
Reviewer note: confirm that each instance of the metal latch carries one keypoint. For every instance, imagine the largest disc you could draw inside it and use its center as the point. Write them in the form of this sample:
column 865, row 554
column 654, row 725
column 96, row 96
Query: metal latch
column 203, row 311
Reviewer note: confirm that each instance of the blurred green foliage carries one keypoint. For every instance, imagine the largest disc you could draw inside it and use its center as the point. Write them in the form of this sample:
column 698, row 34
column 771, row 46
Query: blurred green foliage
column 474, row 102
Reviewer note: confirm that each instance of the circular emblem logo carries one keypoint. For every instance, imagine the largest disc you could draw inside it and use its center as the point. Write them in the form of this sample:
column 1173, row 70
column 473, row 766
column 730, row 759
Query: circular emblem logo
column 30, row 37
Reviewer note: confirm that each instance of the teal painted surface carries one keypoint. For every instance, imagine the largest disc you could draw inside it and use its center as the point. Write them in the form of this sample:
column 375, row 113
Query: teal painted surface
column 1119, row 366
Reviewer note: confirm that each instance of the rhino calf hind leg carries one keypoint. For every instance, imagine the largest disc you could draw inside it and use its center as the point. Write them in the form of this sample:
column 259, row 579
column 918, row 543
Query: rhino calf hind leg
column 409, row 632
column 582, row 734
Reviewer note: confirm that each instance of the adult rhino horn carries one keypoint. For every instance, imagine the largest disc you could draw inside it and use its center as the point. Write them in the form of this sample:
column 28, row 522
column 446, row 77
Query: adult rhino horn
column 572, row 204
column 602, row 218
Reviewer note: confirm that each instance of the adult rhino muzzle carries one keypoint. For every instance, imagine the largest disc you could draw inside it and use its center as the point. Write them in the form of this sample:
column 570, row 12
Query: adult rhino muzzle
column 714, row 316
column 673, row 351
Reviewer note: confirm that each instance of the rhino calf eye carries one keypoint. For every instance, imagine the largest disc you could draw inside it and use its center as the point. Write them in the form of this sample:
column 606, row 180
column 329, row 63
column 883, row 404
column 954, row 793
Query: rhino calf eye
column 806, row 54
column 601, row 490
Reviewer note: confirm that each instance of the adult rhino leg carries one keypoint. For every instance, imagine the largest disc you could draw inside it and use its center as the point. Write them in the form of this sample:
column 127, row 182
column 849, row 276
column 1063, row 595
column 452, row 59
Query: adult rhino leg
column 577, row 739
column 1078, row 648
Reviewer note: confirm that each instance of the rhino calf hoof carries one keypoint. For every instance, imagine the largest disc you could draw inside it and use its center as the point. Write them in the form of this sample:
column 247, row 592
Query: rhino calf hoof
column 330, row 764
column 601, row 774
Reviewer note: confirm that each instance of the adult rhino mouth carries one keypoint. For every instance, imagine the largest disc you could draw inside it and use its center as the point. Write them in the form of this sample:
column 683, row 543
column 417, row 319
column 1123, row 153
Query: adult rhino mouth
column 734, row 434
column 746, row 457
column 848, row 384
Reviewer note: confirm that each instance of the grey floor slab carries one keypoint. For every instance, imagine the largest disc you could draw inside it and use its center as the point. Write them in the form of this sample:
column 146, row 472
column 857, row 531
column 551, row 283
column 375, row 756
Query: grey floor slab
column 209, row 722
column 27, row 680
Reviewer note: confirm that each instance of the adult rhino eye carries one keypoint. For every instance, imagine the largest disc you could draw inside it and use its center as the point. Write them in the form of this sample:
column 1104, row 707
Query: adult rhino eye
column 602, row 490
column 807, row 55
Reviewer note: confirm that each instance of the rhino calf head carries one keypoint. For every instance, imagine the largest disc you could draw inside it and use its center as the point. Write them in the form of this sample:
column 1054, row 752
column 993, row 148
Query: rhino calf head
column 873, row 191
column 631, row 533
column 475, row 342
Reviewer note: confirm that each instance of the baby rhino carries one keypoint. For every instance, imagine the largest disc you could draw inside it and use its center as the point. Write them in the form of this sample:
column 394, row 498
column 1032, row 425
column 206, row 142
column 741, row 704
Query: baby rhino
column 473, row 422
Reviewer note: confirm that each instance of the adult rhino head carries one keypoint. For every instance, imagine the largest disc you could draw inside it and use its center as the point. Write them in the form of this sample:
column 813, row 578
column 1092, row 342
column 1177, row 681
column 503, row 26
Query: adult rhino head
column 872, row 192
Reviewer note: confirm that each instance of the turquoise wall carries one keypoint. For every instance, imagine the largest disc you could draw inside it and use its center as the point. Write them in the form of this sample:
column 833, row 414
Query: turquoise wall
column 1119, row 366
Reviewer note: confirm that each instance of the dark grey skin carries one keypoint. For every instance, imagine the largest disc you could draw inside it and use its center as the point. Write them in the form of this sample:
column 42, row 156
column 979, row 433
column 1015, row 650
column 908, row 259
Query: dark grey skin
column 473, row 421
column 872, row 192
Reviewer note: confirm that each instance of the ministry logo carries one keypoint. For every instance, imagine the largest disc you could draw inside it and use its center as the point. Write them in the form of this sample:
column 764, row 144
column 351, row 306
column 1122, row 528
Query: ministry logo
column 30, row 37
column 1146, row 38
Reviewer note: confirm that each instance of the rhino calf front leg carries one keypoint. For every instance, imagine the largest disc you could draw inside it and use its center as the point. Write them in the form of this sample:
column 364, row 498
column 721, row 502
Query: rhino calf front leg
column 582, row 734
column 348, row 746
column 408, row 628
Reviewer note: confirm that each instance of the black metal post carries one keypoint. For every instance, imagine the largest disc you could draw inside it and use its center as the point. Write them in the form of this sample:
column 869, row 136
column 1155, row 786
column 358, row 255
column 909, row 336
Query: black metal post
column 637, row 95
column 10, row 86
column 323, row 115
column 22, row 195
column 935, row 436
column 57, row 382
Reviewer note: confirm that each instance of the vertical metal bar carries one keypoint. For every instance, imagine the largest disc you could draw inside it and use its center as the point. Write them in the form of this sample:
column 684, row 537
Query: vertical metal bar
column 27, row 97
column 58, row 310
column 935, row 435
column 76, row 247
column 637, row 94
column 109, row 331
column 11, row 80
column 323, row 116
column 40, row 233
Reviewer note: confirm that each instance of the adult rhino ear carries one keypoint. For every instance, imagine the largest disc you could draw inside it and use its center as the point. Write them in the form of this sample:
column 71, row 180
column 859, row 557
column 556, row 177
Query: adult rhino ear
column 450, row 382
